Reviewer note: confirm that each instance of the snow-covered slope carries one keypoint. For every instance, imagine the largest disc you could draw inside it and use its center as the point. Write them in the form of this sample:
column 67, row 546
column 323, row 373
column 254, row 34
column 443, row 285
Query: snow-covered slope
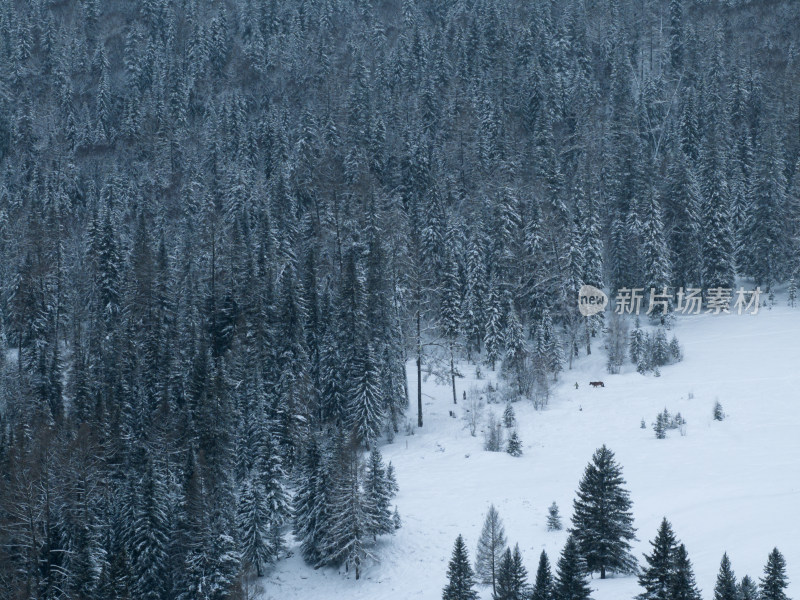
column 726, row 486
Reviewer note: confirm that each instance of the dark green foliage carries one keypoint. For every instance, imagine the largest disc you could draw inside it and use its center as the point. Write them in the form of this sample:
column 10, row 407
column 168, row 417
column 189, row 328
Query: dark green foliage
column 602, row 521
column 512, row 577
column 514, row 444
column 657, row 575
column 461, row 582
column 774, row 583
column 543, row 586
column 553, row 518
column 725, row 588
column 570, row 583
column 748, row 589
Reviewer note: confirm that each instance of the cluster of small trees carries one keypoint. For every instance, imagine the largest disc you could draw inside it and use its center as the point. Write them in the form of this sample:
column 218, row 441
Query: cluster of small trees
column 668, row 574
column 665, row 421
column 599, row 541
column 493, row 439
column 650, row 351
column 342, row 505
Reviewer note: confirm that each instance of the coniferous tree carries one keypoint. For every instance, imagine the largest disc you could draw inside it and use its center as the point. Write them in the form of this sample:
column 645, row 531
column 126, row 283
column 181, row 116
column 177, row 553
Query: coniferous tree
column 774, row 583
column 683, row 586
column 543, row 586
column 378, row 493
column 514, row 445
column 252, row 522
column 511, row 577
column 461, row 583
column 553, row 518
column 725, row 588
column 602, row 522
column 657, row 576
column 491, row 546
column 748, row 589
column 570, row 582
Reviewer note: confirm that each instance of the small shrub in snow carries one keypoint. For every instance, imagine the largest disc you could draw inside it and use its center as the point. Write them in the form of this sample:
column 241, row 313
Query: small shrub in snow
column 553, row 518
column 675, row 350
column 473, row 407
column 409, row 427
column 494, row 434
column 509, row 418
column 719, row 414
column 643, row 425
column 665, row 421
column 514, row 445
column 660, row 427
column 396, row 519
column 792, row 292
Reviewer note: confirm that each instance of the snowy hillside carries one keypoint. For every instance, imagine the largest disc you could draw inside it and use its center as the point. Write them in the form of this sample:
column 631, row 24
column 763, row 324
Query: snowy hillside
column 726, row 486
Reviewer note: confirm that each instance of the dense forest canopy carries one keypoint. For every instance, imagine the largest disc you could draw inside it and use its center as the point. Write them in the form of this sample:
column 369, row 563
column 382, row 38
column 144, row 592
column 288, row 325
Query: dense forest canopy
column 225, row 227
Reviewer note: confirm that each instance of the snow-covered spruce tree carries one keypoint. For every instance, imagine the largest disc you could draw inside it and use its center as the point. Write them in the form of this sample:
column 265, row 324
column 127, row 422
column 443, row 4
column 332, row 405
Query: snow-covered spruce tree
column 543, row 585
column 748, row 589
column 150, row 533
column 312, row 502
column 366, row 409
column 491, row 545
column 616, row 342
column 765, row 231
column 269, row 470
column 509, row 419
column 682, row 585
column 725, row 588
column 514, row 444
column 512, row 577
column 460, row 578
column 792, row 291
column 675, row 350
column 657, row 575
column 637, row 345
column 494, row 434
column 493, row 336
column 350, row 528
column 774, row 583
column 660, row 427
column 391, row 480
column 655, row 254
column 548, row 352
column 476, row 294
column 660, row 348
column 570, row 582
column 252, row 522
column 718, row 412
column 602, row 523
column 553, row 518
column 378, row 495
column 515, row 363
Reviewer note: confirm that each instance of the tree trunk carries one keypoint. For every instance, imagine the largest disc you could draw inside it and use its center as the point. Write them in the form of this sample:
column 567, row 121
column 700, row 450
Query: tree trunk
column 453, row 374
column 419, row 371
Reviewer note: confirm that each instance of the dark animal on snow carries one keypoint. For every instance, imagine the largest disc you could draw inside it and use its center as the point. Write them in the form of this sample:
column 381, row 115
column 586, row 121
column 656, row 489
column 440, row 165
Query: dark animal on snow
column 596, row 384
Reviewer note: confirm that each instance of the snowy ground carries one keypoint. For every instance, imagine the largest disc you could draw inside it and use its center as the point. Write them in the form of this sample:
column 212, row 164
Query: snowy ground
column 726, row 486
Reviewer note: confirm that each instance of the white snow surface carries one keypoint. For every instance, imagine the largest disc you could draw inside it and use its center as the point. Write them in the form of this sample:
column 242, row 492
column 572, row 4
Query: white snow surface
column 726, row 486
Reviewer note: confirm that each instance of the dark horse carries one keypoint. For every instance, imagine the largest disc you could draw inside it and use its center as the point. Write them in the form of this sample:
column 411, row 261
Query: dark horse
column 596, row 384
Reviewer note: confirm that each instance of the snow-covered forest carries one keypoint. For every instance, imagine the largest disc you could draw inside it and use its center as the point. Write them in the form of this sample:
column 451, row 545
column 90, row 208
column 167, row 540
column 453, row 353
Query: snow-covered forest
column 236, row 237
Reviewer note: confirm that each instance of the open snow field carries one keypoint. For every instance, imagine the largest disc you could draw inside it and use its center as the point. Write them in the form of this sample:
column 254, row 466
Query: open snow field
column 726, row 486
